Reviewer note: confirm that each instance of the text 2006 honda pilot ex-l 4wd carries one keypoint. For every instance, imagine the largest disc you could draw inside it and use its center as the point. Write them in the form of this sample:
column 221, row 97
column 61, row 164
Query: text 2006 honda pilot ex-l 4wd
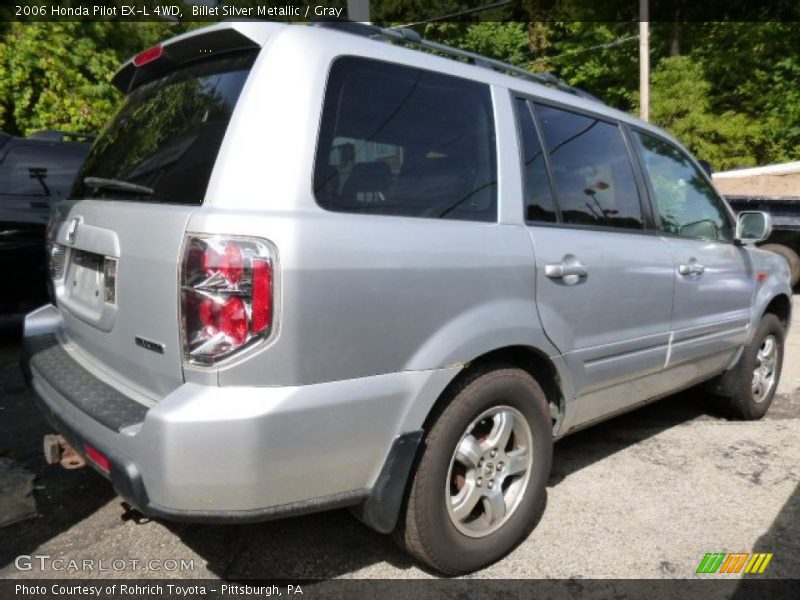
column 306, row 268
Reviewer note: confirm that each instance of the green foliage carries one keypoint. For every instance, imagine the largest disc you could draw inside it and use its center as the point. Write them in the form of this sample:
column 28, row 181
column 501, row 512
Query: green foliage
column 58, row 75
column 605, row 72
column 507, row 41
column 727, row 90
column 682, row 103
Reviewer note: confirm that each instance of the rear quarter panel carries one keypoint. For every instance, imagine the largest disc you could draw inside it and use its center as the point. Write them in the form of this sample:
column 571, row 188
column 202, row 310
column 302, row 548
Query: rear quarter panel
column 362, row 295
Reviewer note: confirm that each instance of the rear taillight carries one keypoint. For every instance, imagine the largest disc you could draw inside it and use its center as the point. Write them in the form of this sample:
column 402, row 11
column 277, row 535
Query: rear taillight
column 226, row 296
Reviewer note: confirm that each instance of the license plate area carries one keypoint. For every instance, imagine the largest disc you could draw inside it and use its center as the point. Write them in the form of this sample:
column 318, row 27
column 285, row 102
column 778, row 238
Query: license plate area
column 85, row 283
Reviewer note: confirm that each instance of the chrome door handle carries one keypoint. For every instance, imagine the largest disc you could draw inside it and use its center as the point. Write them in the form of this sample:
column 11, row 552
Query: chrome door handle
column 692, row 268
column 562, row 270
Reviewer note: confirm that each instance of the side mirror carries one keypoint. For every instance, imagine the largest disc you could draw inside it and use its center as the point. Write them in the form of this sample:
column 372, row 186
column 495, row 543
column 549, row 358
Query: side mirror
column 706, row 167
column 753, row 226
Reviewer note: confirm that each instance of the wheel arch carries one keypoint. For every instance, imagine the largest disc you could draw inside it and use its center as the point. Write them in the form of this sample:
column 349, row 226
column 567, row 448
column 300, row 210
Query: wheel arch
column 530, row 359
column 778, row 304
column 382, row 508
column 781, row 307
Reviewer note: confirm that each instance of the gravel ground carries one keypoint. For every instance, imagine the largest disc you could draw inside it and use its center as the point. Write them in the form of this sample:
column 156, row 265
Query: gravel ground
column 645, row 495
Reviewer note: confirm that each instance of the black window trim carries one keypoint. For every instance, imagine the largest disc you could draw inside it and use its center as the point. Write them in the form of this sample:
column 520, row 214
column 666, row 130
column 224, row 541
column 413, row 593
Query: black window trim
column 546, row 157
column 659, row 227
column 642, row 181
column 318, row 138
column 648, row 222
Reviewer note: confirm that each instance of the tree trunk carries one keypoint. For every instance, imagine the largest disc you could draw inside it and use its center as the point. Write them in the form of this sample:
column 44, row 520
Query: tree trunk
column 675, row 37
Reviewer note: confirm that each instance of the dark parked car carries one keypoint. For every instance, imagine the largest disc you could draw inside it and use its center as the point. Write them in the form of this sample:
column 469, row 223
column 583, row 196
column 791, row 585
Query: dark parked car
column 35, row 173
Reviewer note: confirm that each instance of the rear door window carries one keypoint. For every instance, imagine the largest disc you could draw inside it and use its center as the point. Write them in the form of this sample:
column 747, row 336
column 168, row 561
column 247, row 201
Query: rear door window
column 592, row 170
column 397, row 140
column 167, row 133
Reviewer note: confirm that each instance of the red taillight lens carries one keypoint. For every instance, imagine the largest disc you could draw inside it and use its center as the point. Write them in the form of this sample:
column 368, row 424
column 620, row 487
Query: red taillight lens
column 226, row 296
column 233, row 266
column 148, row 56
column 262, row 295
column 94, row 455
column 233, row 320
column 227, row 261
column 207, row 313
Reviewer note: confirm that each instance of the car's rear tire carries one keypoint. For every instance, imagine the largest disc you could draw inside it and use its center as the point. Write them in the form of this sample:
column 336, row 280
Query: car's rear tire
column 791, row 257
column 490, row 448
column 758, row 371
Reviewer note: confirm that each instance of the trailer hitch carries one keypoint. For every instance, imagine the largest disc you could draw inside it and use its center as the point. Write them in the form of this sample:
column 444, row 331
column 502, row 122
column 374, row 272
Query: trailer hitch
column 57, row 450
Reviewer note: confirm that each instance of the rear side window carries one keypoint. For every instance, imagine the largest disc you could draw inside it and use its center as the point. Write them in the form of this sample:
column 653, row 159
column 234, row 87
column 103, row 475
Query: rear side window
column 592, row 170
column 396, row 140
column 166, row 135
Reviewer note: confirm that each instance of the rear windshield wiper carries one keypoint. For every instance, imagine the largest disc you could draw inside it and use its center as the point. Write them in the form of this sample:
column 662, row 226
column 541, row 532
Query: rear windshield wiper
column 117, row 184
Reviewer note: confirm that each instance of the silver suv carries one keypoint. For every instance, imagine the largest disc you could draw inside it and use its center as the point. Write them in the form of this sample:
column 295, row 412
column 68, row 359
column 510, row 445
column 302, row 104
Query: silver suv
column 304, row 268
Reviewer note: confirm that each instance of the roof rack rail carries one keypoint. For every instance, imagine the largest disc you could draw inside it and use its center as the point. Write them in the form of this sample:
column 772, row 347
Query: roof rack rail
column 404, row 35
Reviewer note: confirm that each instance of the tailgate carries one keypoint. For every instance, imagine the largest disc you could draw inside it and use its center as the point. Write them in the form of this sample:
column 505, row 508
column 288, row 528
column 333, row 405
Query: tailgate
column 116, row 262
column 118, row 290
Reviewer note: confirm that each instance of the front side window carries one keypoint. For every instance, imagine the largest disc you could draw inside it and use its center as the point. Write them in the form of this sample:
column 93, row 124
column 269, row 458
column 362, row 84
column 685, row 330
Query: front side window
column 592, row 170
column 396, row 140
column 687, row 204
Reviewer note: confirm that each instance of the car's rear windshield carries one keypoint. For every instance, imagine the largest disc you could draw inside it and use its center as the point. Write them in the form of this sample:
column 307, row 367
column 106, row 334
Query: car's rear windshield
column 165, row 137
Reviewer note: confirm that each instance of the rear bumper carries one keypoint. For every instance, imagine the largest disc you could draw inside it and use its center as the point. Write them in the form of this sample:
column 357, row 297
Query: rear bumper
column 206, row 453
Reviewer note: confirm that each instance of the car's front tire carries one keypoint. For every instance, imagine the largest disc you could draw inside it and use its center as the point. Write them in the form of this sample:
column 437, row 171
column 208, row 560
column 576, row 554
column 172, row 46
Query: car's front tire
column 479, row 487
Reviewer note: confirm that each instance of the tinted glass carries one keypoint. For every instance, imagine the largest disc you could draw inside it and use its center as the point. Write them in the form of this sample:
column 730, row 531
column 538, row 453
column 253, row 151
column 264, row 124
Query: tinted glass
column 592, row 170
column 167, row 133
column 538, row 196
column 687, row 204
column 396, row 140
column 40, row 170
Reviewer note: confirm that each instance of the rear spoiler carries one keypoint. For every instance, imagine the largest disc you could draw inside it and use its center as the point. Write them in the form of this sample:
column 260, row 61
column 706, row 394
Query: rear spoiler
column 193, row 45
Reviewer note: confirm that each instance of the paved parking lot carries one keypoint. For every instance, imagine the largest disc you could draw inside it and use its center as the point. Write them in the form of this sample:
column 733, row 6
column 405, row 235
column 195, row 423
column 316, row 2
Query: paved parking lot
column 645, row 495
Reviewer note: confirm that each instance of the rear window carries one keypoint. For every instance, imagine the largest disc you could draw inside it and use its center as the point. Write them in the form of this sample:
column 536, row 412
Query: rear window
column 166, row 135
column 396, row 140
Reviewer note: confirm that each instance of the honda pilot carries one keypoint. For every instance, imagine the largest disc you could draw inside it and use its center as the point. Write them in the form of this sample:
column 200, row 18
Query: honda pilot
column 308, row 267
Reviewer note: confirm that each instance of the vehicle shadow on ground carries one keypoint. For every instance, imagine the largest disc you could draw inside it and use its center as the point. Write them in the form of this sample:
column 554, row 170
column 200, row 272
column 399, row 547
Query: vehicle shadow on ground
column 323, row 545
column 63, row 498
column 586, row 447
column 782, row 539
